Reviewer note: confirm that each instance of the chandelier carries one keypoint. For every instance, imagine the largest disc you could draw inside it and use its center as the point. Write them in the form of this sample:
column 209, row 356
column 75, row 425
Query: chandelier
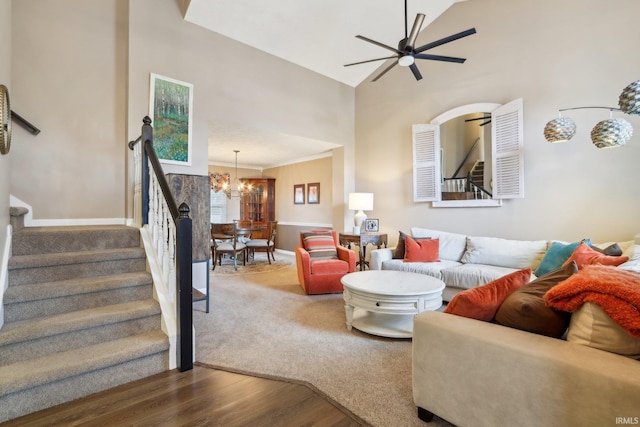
column 241, row 189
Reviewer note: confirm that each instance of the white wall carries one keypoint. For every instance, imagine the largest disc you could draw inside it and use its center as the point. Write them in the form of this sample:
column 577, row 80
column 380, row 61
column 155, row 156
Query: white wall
column 69, row 62
column 233, row 83
column 553, row 55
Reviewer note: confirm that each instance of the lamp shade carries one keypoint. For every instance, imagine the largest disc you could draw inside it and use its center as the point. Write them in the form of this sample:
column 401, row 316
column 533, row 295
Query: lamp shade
column 560, row 130
column 611, row 133
column 629, row 100
column 361, row 201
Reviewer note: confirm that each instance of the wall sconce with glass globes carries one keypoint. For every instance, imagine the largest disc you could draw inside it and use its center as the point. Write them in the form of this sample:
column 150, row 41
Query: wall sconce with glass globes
column 612, row 132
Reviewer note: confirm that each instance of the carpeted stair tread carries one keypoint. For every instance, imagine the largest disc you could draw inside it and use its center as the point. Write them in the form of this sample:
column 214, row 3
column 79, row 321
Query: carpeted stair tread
column 32, row 329
column 69, row 258
column 48, row 369
column 61, row 288
column 40, row 240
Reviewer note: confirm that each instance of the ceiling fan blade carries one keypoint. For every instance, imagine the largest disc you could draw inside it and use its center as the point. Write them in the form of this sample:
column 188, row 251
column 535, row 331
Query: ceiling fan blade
column 415, row 71
column 415, row 31
column 385, row 71
column 478, row 118
column 439, row 58
column 446, row 40
column 393, row 49
column 369, row 60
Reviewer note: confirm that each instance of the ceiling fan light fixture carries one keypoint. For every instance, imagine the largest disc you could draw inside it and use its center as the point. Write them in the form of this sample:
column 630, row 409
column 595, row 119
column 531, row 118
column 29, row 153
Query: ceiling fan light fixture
column 561, row 129
column 406, row 61
column 611, row 133
column 629, row 100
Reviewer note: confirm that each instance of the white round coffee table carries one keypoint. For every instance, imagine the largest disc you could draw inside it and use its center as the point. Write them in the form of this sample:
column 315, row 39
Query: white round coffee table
column 384, row 302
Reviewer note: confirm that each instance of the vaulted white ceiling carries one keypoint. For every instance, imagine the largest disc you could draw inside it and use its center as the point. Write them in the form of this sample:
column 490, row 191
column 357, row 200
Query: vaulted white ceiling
column 318, row 35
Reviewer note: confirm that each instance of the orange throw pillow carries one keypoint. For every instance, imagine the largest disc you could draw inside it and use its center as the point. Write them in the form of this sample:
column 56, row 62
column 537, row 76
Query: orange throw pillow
column 421, row 250
column 482, row 303
column 584, row 255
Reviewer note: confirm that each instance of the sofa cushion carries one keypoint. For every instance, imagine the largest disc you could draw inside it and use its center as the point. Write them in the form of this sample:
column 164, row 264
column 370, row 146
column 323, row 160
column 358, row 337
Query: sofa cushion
column 468, row 276
column 591, row 326
column 329, row 266
column 430, row 268
column 400, row 247
column 481, row 303
column 556, row 255
column 320, row 244
column 516, row 254
column 527, row 310
column 584, row 255
column 452, row 245
column 421, row 250
column 633, row 252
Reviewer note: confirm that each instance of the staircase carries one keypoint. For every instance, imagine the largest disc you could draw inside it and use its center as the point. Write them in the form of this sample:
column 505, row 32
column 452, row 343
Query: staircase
column 79, row 316
column 477, row 174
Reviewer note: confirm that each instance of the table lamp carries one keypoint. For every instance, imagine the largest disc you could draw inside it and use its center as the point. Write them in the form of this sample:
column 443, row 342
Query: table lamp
column 360, row 202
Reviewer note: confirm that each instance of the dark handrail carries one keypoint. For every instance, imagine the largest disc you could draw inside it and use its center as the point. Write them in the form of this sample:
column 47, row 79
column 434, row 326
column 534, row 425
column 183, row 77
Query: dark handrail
column 17, row 118
column 475, row 143
column 184, row 238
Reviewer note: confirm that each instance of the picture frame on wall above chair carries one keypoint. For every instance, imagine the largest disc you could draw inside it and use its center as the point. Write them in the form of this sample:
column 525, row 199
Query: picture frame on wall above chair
column 298, row 194
column 313, row 193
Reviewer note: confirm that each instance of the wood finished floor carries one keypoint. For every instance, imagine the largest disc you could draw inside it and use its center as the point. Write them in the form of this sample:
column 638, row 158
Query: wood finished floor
column 200, row 397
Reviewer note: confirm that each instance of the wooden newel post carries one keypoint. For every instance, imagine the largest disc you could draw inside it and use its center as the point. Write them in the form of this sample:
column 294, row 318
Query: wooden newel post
column 184, row 275
column 147, row 136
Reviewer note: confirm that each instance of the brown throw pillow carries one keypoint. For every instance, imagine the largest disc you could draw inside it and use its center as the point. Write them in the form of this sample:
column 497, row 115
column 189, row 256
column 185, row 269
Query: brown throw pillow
column 611, row 250
column 526, row 309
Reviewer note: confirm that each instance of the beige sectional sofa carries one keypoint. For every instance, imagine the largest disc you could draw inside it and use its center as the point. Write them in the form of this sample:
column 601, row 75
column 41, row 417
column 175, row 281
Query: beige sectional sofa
column 479, row 373
column 474, row 373
column 470, row 261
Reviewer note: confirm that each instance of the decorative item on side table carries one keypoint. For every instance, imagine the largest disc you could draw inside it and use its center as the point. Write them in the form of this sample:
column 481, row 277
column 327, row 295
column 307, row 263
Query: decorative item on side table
column 313, row 193
column 171, row 107
column 298, row 194
column 371, row 225
column 360, row 202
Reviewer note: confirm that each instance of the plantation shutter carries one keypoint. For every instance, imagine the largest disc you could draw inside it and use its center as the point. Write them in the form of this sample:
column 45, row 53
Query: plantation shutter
column 426, row 162
column 507, row 146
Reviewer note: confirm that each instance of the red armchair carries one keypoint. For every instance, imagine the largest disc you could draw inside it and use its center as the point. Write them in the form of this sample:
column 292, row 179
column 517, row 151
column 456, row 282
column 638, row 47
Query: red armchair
column 322, row 262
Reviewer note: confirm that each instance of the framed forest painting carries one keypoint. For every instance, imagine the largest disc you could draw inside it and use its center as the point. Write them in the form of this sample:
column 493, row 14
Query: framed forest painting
column 170, row 108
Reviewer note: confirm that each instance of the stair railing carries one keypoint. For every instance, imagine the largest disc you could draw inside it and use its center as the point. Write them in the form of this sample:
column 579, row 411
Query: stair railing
column 167, row 228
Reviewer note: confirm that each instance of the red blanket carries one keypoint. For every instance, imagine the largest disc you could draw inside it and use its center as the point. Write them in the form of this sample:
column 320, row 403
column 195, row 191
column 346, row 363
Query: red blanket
column 616, row 291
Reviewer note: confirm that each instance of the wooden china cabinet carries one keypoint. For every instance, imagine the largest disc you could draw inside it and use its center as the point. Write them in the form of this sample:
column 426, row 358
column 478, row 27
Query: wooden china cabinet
column 259, row 206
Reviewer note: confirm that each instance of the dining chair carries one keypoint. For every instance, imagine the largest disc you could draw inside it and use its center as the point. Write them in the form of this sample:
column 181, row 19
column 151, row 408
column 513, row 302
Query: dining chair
column 267, row 245
column 225, row 241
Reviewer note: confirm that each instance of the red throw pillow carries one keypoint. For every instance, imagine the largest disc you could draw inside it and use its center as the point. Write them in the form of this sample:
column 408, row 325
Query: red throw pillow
column 482, row 303
column 584, row 255
column 421, row 250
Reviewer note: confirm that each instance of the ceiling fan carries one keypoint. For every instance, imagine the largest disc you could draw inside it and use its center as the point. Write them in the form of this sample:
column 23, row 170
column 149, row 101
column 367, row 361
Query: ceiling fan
column 407, row 53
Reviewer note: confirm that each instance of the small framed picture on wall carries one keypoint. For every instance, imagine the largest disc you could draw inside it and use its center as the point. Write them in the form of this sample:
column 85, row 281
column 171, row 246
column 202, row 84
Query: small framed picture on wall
column 313, row 193
column 371, row 225
column 298, row 194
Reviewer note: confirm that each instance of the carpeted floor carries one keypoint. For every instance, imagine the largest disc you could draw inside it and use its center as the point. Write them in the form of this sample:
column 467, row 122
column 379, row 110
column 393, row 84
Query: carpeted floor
column 264, row 324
